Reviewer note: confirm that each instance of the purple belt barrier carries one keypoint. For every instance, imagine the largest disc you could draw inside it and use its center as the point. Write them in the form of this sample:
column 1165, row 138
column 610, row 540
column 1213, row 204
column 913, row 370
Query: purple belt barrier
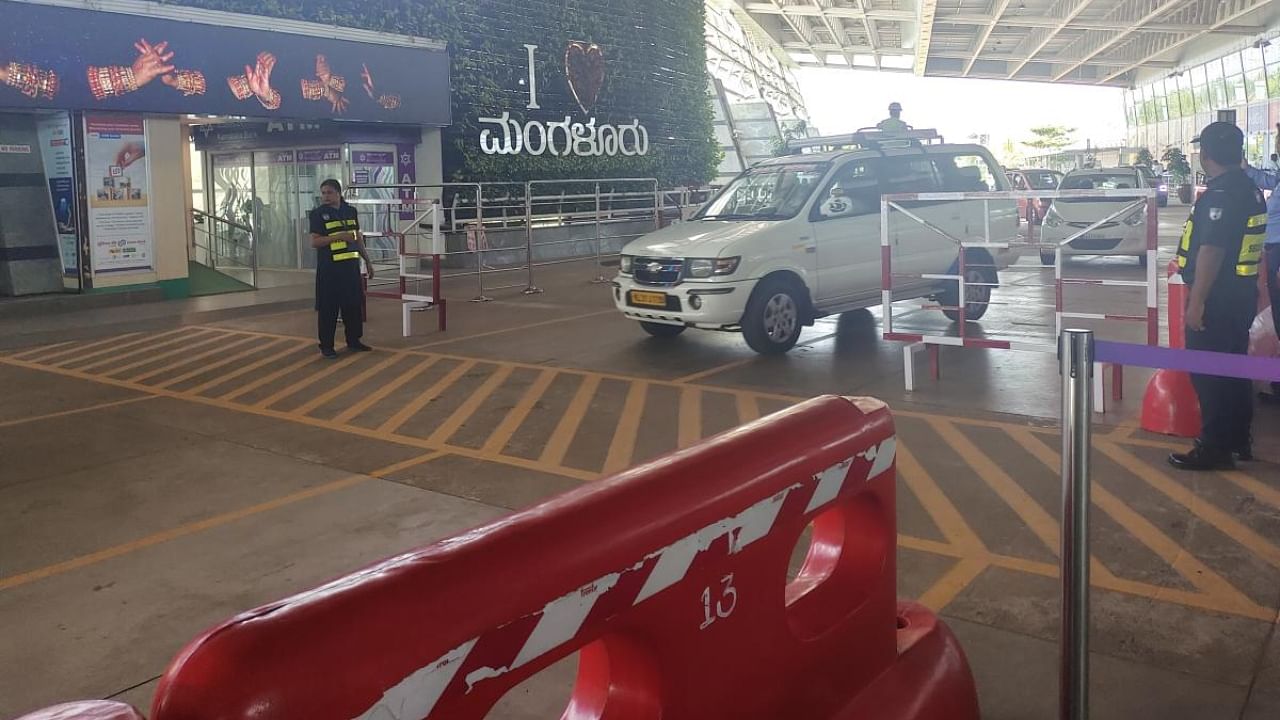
column 1199, row 362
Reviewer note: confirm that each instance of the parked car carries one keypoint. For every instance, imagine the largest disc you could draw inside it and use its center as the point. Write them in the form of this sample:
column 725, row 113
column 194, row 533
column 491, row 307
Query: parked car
column 1154, row 181
column 797, row 238
column 1125, row 235
column 1033, row 179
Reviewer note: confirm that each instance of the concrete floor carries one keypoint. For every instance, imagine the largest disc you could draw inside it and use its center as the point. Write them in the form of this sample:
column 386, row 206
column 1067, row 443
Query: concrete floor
column 167, row 466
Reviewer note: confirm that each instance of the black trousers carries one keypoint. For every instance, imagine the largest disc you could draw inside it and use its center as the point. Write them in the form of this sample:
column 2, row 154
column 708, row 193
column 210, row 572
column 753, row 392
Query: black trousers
column 1273, row 290
column 1226, row 404
column 338, row 292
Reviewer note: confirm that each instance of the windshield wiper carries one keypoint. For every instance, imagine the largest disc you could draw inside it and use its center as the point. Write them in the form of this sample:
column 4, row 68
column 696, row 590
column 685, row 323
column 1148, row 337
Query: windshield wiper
column 727, row 216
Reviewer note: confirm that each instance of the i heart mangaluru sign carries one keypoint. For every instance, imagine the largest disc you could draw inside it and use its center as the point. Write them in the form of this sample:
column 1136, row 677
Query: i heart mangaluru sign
column 584, row 66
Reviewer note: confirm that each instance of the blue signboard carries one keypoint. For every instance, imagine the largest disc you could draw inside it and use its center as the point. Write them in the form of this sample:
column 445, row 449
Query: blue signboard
column 71, row 58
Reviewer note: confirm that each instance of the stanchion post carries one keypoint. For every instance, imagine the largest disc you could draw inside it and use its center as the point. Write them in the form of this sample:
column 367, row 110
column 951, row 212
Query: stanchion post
column 599, row 279
column 1075, row 353
column 530, row 288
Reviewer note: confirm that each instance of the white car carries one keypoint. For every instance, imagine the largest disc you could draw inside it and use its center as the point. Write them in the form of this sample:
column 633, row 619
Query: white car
column 1124, row 235
column 797, row 238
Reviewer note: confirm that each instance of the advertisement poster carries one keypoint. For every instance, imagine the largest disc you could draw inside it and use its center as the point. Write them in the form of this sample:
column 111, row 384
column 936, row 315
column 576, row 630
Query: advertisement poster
column 55, row 148
column 119, row 193
column 77, row 58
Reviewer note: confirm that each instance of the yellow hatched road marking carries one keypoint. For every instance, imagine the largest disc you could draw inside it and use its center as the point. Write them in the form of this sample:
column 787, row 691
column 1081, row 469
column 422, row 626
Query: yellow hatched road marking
column 145, row 347
column 223, row 362
column 1199, row 507
column 39, row 349
column 181, row 349
column 748, row 408
column 459, row 417
column 690, row 423
column 558, row 444
column 65, row 357
column 272, row 377
column 350, row 384
column 1166, row 548
column 623, row 445
column 216, row 350
column 514, row 419
column 308, row 381
column 244, row 370
column 372, row 398
column 394, row 422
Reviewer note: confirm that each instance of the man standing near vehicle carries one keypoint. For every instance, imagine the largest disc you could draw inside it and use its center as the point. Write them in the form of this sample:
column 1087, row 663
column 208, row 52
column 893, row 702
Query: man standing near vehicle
column 335, row 234
column 894, row 123
column 1219, row 254
column 1271, row 181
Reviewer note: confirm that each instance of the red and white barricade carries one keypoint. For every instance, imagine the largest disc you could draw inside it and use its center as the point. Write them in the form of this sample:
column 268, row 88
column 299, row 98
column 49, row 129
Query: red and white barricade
column 415, row 243
column 1004, row 241
column 669, row 580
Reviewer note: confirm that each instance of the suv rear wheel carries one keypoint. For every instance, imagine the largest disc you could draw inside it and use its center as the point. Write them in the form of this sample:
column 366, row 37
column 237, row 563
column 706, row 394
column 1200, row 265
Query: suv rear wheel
column 660, row 330
column 977, row 294
column 774, row 316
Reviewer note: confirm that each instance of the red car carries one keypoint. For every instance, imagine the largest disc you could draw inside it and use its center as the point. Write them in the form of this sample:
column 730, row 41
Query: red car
column 1033, row 179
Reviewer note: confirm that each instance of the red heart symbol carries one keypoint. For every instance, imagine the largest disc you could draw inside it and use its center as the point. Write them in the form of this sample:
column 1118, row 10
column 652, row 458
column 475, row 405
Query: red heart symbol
column 584, row 66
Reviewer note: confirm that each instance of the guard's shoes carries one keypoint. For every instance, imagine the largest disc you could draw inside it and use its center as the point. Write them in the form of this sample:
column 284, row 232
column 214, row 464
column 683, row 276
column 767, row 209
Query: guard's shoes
column 359, row 347
column 1244, row 453
column 1201, row 459
column 329, row 353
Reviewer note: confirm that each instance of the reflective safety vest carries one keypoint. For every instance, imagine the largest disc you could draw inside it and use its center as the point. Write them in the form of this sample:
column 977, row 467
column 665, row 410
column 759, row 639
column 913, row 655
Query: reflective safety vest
column 339, row 248
column 1246, row 264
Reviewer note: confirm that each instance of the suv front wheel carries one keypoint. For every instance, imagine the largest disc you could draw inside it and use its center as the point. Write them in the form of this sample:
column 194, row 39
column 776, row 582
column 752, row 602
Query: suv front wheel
column 774, row 316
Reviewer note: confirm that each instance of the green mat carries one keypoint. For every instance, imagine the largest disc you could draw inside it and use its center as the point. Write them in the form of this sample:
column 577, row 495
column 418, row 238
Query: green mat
column 207, row 281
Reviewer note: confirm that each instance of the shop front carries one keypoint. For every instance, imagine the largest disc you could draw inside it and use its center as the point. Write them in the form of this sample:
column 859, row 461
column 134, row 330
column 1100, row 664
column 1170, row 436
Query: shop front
column 126, row 126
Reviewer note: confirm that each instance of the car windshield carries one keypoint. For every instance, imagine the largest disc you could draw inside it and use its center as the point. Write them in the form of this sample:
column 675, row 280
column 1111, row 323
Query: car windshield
column 767, row 192
column 1041, row 180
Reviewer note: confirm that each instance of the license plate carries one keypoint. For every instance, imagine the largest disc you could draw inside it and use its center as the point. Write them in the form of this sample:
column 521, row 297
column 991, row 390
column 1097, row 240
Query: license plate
column 648, row 299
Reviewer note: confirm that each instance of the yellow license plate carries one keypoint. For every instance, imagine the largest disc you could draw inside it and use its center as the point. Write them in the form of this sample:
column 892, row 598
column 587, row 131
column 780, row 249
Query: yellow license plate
column 648, row 299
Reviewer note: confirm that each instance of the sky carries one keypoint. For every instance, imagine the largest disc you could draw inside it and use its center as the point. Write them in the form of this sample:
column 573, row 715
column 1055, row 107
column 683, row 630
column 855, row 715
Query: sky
column 844, row 100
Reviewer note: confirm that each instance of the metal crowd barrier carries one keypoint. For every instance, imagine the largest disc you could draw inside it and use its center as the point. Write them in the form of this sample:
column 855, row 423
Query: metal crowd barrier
column 1014, row 242
column 487, row 214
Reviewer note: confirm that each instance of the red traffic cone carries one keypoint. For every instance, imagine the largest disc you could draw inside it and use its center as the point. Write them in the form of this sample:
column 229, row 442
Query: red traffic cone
column 1170, row 406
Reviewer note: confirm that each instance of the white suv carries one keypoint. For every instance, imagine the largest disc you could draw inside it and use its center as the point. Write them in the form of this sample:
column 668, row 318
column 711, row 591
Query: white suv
column 797, row 238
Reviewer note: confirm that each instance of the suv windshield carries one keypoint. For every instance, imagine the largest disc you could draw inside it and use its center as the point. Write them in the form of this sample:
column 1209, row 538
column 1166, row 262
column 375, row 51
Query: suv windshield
column 768, row 192
column 1041, row 180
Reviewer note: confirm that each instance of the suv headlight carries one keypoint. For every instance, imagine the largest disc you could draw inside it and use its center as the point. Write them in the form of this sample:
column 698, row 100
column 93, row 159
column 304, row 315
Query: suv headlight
column 707, row 267
column 1052, row 218
column 624, row 264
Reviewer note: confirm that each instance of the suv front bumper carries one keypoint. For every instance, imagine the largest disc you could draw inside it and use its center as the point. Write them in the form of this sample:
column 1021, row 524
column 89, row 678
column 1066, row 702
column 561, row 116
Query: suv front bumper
column 709, row 305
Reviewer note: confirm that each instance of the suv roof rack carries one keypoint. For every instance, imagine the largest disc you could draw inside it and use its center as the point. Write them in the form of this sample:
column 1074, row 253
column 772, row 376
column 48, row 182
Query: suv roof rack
column 868, row 138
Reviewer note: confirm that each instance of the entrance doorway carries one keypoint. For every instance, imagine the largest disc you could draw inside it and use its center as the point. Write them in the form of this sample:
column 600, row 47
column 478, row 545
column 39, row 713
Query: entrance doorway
column 272, row 191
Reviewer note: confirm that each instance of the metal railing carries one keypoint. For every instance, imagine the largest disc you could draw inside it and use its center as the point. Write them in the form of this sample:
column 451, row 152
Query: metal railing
column 495, row 227
column 225, row 246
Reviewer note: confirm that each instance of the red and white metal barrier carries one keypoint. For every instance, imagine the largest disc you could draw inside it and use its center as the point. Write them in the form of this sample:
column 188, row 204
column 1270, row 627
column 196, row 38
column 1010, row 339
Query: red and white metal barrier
column 1014, row 242
column 417, row 241
column 670, row 581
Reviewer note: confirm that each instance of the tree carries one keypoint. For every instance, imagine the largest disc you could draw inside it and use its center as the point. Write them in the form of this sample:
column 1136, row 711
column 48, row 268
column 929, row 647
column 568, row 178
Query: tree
column 1145, row 158
column 1050, row 137
column 1177, row 164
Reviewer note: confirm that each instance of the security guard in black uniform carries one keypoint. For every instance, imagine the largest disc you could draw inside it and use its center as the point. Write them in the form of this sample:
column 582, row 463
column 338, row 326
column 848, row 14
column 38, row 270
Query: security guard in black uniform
column 335, row 234
column 1219, row 254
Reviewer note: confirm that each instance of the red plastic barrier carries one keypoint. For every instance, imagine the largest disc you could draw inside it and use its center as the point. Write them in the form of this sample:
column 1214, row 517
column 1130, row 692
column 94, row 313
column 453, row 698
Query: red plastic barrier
column 671, row 579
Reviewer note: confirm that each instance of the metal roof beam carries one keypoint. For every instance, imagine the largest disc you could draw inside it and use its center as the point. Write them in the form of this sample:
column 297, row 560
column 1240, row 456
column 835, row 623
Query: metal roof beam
column 1072, row 14
column 985, row 34
column 1238, row 9
column 924, row 33
column 773, row 8
column 1159, row 7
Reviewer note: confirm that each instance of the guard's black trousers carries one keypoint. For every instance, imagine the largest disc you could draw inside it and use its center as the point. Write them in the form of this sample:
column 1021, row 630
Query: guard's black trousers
column 1273, row 289
column 338, row 291
column 1226, row 404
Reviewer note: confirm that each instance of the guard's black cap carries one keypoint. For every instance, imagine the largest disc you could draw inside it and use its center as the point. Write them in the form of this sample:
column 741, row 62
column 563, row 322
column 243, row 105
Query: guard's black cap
column 1222, row 141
